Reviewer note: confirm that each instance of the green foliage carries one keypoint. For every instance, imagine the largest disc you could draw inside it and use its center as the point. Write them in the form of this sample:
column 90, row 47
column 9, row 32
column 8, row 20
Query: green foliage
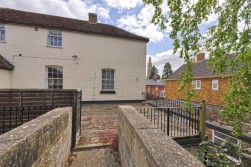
column 167, row 71
column 185, row 17
column 154, row 71
column 216, row 156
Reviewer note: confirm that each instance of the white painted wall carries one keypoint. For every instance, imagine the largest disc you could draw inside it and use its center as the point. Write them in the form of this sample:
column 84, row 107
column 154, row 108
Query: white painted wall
column 4, row 79
column 94, row 52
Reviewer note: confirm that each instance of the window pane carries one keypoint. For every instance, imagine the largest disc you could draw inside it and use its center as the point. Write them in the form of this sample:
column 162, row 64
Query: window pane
column 198, row 84
column 55, row 38
column 54, row 73
column 2, row 35
column 108, row 79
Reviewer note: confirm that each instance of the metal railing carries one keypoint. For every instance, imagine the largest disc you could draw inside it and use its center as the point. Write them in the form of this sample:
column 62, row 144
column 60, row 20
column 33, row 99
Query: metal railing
column 14, row 116
column 174, row 121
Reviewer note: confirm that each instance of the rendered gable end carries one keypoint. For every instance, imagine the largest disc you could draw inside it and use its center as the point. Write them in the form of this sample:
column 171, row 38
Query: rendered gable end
column 82, row 57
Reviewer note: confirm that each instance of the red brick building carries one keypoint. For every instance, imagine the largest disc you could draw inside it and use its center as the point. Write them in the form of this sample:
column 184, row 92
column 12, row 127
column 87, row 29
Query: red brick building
column 155, row 87
column 207, row 86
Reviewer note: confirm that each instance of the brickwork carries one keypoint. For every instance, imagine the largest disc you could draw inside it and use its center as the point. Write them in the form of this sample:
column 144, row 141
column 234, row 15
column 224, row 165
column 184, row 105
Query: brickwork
column 205, row 93
column 153, row 89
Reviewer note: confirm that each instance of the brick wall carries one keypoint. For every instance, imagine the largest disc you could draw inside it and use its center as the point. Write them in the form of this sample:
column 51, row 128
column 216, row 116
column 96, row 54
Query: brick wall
column 205, row 93
column 153, row 89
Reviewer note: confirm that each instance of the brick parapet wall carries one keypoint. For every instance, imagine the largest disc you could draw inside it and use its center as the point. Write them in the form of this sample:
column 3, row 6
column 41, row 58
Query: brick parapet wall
column 205, row 93
column 143, row 144
column 44, row 141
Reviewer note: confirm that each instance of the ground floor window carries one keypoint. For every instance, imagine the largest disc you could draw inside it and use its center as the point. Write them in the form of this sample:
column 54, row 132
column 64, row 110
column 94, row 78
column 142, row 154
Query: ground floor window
column 108, row 79
column 54, row 77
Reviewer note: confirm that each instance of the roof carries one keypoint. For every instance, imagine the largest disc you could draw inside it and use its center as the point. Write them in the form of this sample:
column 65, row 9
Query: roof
column 5, row 64
column 152, row 82
column 55, row 22
column 199, row 69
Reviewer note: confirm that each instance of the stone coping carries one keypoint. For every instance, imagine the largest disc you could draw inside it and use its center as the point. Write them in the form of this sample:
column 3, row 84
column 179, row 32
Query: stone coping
column 30, row 140
column 160, row 149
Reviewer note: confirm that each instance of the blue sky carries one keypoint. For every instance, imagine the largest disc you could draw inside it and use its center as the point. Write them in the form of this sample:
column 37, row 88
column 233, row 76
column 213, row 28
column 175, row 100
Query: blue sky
column 131, row 15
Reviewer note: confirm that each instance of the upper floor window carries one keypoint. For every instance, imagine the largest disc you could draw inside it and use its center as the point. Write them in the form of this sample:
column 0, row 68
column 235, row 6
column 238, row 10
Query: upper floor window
column 196, row 84
column 54, row 77
column 215, row 85
column 148, row 89
column 108, row 80
column 2, row 32
column 54, row 38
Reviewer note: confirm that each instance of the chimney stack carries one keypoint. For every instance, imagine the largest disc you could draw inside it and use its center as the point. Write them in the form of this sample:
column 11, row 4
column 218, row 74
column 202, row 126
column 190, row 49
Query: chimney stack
column 92, row 18
column 200, row 57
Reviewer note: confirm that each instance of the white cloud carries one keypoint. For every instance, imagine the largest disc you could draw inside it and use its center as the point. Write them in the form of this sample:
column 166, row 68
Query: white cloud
column 71, row 8
column 160, row 59
column 141, row 24
column 211, row 18
column 123, row 4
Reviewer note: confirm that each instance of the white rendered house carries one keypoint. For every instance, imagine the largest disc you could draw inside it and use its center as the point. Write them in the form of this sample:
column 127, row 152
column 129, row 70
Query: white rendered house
column 44, row 51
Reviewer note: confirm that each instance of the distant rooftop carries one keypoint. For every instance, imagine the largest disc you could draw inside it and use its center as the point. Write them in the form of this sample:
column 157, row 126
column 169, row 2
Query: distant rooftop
column 152, row 82
column 199, row 69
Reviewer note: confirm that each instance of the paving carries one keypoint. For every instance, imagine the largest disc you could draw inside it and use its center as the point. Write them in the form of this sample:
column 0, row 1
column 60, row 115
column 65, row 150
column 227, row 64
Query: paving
column 97, row 146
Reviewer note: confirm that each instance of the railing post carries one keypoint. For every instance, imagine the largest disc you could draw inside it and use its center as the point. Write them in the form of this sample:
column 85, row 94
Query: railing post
column 168, row 121
column 21, row 98
column 203, row 121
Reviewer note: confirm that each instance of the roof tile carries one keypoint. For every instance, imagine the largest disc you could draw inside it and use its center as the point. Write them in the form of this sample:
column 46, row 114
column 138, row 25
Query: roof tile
column 55, row 22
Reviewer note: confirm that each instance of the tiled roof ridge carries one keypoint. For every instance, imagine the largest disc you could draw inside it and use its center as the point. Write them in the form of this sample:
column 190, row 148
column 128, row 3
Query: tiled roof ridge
column 205, row 71
column 45, row 20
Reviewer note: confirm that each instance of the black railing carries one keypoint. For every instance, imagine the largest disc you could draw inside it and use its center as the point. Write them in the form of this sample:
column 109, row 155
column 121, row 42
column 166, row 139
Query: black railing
column 174, row 121
column 147, row 96
column 14, row 116
column 158, row 101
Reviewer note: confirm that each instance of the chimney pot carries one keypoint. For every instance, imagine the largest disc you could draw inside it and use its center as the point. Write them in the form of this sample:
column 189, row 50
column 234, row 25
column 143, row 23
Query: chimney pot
column 92, row 18
column 200, row 57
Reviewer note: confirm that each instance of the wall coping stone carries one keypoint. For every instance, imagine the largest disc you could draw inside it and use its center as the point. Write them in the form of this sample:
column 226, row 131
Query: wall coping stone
column 161, row 150
column 12, row 143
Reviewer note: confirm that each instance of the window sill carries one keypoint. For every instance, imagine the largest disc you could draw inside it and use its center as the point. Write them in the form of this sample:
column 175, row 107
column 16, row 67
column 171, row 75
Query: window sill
column 215, row 90
column 3, row 42
column 58, row 47
column 107, row 92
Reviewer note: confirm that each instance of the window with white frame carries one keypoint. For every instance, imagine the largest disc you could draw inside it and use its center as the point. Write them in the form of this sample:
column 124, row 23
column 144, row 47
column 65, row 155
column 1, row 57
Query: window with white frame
column 218, row 138
column 108, row 79
column 196, row 84
column 162, row 93
column 2, row 32
column 54, row 38
column 148, row 89
column 215, row 85
column 54, row 77
column 156, row 88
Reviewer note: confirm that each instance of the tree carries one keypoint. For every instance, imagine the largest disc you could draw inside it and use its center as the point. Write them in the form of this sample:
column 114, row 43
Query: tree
column 222, row 38
column 167, row 71
column 154, row 71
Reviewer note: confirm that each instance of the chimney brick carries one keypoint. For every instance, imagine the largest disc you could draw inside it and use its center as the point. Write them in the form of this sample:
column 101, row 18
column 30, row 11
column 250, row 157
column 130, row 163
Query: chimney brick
column 200, row 57
column 92, row 18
